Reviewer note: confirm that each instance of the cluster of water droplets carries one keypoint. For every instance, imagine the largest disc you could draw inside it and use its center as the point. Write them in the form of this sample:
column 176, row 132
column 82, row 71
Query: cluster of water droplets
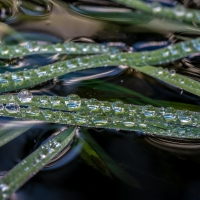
column 178, row 12
column 27, row 78
column 73, row 110
column 32, row 47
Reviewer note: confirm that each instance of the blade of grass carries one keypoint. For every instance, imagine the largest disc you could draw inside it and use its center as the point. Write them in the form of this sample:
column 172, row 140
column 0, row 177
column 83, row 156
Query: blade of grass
column 28, row 167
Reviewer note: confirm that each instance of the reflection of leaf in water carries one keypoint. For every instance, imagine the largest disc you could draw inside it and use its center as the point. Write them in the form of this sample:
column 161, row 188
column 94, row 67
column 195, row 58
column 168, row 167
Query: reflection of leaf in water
column 93, row 159
column 110, row 164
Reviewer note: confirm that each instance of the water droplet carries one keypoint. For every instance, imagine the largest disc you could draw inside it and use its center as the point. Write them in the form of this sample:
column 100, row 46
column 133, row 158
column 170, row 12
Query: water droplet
column 172, row 49
column 142, row 124
column 73, row 101
column 58, row 47
column 44, row 48
column 159, row 70
column 189, row 15
column 93, row 104
column 181, row 81
column 128, row 121
column 172, row 72
column 25, row 96
column 10, row 98
column 181, row 131
column 4, row 187
column 149, row 111
column 12, row 107
column 40, row 72
column 118, row 107
column 81, row 118
column 3, row 79
column 71, row 64
column 42, row 156
column 66, row 118
column 33, row 110
column 32, row 46
column 165, row 53
column 16, row 77
column 55, row 101
column 186, row 47
column 196, row 44
column 156, row 7
column 105, row 106
column 99, row 120
column 1, row 107
column 47, row 114
column 169, row 114
column 44, row 100
column 185, row 117
column 132, row 109
column 4, row 51
column 179, row 11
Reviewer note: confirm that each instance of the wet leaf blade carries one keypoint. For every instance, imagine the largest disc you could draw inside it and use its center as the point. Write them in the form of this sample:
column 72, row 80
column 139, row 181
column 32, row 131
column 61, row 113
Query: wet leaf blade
column 28, row 167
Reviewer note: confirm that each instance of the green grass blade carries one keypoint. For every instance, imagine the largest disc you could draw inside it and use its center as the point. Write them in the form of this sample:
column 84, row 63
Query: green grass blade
column 34, row 162
column 13, row 130
column 172, row 78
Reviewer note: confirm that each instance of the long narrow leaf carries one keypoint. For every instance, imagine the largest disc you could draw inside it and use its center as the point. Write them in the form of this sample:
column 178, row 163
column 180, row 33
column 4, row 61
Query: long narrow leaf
column 34, row 162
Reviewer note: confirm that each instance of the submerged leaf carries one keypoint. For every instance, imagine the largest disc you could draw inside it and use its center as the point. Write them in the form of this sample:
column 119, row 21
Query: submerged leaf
column 111, row 164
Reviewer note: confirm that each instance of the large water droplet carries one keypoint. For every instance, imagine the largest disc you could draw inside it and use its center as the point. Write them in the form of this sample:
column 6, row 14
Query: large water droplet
column 159, row 70
column 81, row 118
column 105, row 106
column 172, row 72
column 73, row 101
column 156, row 7
column 149, row 111
column 4, row 187
column 25, row 96
column 93, row 104
column 179, row 11
column 12, row 107
column 99, row 120
column 185, row 117
column 55, row 101
column 128, row 121
column 169, row 114
column 32, row 46
column 118, row 107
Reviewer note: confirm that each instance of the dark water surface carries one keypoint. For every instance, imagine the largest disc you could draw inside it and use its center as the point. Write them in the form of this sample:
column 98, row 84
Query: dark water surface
column 163, row 168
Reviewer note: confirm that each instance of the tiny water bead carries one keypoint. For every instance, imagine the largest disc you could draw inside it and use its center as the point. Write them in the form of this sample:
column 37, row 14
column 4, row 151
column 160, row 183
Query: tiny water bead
column 25, row 96
column 33, row 110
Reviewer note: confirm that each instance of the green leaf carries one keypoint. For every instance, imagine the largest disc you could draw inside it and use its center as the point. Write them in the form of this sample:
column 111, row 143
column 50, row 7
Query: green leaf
column 28, row 167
